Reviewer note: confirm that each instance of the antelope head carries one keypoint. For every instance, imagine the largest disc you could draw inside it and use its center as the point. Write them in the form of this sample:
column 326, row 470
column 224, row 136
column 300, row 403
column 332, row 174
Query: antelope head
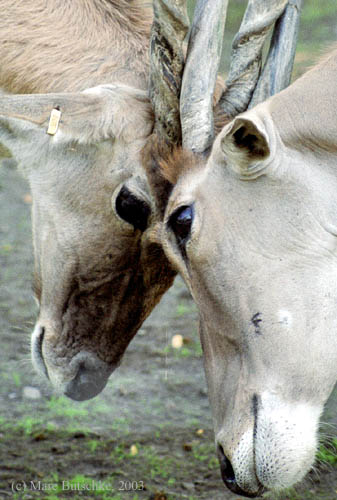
column 264, row 408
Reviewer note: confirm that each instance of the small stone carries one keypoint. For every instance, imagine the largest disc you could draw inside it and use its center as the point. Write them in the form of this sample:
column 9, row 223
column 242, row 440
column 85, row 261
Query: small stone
column 177, row 341
column 28, row 199
column 187, row 486
column 31, row 393
column 12, row 395
column 133, row 450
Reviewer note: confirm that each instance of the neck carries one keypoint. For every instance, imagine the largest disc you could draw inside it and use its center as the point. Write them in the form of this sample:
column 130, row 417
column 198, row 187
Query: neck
column 133, row 16
column 305, row 113
column 71, row 45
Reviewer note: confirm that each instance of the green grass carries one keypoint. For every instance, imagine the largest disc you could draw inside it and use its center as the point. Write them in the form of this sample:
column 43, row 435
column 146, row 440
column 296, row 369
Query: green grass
column 192, row 349
column 17, row 379
column 93, row 444
column 120, row 425
column 121, row 453
column 204, row 452
column 61, row 406
column 327, row 454
column 30, row 424
column 183, row 309
column 6, row 248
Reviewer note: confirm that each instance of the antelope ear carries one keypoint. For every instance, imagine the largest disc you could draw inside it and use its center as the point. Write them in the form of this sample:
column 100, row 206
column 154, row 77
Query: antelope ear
column 31, row 124
column 245, row 145
column 97, row 114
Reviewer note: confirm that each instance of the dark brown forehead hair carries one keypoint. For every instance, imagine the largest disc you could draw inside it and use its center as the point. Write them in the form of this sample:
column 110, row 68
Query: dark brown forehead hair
column 164, row 165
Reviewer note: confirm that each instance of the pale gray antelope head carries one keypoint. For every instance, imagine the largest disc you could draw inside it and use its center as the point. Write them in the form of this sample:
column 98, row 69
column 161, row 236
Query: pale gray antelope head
column 97, row 272
column 253, row 231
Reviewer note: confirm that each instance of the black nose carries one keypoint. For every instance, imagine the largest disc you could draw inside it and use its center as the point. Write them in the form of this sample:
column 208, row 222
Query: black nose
column 228, row 476
column 86, row 384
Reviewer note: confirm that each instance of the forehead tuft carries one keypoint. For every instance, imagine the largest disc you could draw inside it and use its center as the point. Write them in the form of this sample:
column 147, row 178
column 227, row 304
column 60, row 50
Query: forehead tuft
column 172, row 162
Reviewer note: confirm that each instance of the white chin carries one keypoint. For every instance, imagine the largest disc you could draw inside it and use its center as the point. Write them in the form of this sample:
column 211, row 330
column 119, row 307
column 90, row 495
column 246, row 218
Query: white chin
column 283, row 448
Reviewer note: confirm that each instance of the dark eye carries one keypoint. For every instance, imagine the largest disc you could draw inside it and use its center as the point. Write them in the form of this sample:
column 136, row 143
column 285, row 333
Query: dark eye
column 132, row 209
column 181, row 222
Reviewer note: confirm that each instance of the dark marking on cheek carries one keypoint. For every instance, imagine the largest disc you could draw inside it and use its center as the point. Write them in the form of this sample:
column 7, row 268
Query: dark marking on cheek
column 256, row 320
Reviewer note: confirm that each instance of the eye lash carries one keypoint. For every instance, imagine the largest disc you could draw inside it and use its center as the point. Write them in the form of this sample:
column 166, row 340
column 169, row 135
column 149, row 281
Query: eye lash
column 175, row 214
column 171, row 223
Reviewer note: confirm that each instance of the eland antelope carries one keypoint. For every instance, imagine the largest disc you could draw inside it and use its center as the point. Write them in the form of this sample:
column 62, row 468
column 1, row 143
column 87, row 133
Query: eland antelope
column 97, row 274
column 253, row 231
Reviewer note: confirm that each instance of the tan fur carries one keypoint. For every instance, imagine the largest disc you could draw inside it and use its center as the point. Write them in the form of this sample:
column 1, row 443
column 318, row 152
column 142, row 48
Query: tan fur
column 69, row 45
column 172, row 162
column 164, row 165
column 178, row 162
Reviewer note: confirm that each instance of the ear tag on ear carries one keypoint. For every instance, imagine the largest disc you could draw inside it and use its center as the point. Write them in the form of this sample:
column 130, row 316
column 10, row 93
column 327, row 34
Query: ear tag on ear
column 54, row 121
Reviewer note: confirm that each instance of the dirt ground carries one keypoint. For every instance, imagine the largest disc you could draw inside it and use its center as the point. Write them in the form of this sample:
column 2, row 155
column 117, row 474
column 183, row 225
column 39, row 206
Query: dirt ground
column 147, row 436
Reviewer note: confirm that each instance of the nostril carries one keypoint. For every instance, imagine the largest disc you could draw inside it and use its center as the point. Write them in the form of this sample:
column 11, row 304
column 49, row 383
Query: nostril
column 228, row 476
column 39, row 341
column 227, row 471
column 37, row 356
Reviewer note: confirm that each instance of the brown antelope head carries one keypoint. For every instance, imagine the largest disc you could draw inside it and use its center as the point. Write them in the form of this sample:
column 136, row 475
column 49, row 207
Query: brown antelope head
column 98, row 272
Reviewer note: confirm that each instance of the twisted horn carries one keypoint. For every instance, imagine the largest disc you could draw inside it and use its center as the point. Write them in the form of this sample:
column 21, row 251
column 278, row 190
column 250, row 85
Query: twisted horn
column 246, row 57
column 200, row 73
column 169, row 30
column 278, row 67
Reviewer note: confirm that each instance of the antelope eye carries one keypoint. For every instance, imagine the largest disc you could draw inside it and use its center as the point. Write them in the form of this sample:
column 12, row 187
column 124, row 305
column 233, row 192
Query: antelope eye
column 181, row 222
column 131, row 209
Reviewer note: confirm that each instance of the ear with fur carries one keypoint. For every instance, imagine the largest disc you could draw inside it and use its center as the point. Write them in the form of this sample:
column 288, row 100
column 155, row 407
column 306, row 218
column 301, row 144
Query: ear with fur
column 127, row 112
column 24, row 121
column 245, row 145
column 97, row 114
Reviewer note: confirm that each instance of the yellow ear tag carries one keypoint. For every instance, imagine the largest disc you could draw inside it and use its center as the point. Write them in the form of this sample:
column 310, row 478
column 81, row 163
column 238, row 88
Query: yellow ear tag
column 54, row 121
